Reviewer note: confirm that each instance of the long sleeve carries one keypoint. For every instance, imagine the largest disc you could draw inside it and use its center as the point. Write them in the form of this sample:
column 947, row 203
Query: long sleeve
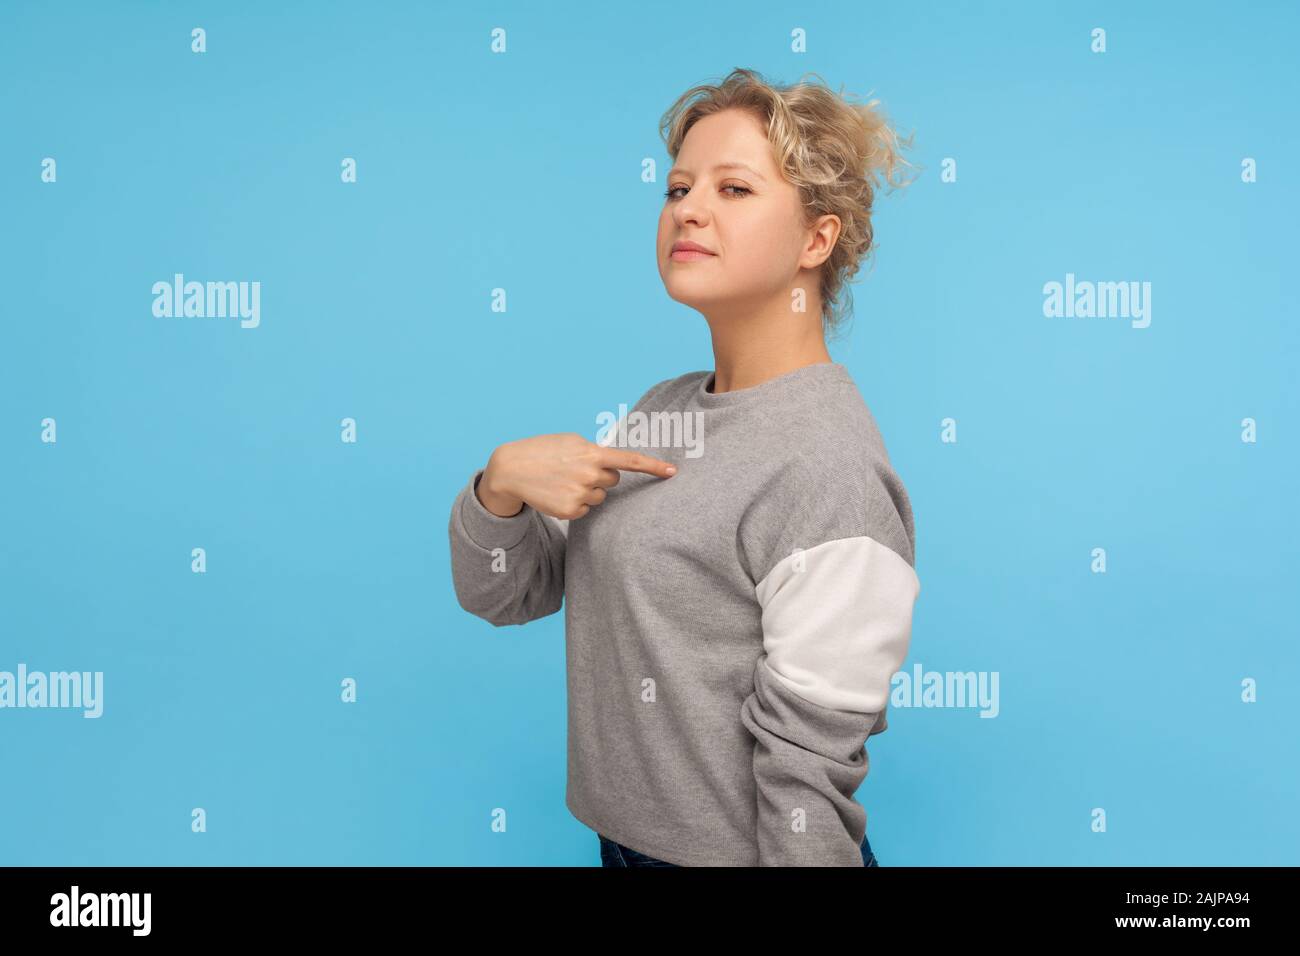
column 837, row 620
column 506, row 570
column 511, row 570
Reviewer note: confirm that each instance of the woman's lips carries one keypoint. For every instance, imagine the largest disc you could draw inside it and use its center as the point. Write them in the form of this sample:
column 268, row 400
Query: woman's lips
column 688, row 255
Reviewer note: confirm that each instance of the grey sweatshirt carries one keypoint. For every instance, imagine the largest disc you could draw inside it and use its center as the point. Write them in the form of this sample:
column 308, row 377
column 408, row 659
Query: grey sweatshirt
column 731, row 631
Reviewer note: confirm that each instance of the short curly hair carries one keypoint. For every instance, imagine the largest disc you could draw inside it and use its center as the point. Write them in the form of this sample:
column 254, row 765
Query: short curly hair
column 830, row 148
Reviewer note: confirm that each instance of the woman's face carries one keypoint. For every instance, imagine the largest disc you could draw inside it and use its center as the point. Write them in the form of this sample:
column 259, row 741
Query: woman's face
column 749, row 219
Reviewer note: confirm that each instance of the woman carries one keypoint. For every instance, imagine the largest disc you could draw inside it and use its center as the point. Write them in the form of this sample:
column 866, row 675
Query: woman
column 736, row 608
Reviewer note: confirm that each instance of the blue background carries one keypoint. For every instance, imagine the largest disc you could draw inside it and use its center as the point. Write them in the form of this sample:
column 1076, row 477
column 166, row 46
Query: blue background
column 522, row 171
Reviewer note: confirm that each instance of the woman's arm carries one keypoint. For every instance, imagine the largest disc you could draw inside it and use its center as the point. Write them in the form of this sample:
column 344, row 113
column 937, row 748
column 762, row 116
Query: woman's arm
column 837, row 621
column 506, row 570
column 507, row 561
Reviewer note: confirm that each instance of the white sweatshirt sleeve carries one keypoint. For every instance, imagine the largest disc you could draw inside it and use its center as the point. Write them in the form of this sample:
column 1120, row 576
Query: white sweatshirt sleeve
column 837, row 622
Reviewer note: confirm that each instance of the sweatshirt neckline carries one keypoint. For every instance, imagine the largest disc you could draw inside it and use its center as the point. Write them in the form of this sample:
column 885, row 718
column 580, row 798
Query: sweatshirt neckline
column 804, row 377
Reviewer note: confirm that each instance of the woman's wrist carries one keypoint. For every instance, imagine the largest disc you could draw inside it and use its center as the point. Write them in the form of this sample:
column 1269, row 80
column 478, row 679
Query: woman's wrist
column 493, row 498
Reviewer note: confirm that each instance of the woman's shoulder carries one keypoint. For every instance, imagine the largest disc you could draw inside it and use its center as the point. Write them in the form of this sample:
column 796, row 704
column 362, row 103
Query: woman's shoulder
column 835, row 423
column 665, row 392
column 834, row 463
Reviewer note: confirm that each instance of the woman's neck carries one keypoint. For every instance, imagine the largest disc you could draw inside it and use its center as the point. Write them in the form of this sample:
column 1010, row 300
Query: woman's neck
column 749, row 353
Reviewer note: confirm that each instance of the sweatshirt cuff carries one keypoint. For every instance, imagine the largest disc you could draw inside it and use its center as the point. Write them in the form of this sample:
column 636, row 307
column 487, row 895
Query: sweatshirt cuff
column 486, row 529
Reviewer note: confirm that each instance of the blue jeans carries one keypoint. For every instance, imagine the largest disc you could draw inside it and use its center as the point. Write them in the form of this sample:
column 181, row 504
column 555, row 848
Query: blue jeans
column 616, row 854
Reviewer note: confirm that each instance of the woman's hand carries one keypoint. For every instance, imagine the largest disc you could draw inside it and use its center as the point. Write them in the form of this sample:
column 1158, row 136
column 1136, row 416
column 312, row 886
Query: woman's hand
column 563, row 475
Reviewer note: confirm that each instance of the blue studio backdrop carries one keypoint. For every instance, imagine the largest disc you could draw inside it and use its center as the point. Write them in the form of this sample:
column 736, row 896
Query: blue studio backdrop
column 235, row 528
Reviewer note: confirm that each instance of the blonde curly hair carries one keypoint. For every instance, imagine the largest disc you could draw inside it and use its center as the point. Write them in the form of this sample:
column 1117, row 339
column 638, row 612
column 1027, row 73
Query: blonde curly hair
column 830, row 148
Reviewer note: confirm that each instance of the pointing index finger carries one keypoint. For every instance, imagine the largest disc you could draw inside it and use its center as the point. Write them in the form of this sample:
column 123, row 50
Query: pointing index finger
column 635, row 461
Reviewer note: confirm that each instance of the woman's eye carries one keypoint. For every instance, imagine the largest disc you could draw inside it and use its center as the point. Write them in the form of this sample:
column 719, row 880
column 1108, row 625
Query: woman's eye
column 741, row 189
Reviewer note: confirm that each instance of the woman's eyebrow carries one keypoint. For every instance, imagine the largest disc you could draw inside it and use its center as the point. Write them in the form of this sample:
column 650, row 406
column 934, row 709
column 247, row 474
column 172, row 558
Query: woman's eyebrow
column 732, row 165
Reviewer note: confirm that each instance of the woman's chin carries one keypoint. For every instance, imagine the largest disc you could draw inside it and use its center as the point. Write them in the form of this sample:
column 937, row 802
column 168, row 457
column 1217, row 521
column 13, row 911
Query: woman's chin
column 687, row 296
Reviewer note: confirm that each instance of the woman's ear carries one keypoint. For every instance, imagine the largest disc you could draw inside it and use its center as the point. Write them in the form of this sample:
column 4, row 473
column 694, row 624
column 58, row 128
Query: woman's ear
column 822, row 236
